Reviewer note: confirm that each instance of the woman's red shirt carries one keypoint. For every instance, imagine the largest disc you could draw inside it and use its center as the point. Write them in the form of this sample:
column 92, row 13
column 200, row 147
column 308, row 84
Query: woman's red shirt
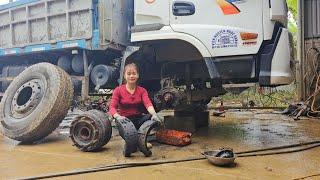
column 129, row 105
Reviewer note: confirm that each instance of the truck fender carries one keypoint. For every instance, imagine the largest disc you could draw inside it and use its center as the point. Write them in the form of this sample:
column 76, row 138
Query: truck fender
column 275, row 60
column 166, row 33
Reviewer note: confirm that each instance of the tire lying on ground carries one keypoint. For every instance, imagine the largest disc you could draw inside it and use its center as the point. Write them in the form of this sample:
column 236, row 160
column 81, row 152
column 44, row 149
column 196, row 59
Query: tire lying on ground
column 91, row 130
column 35, row 102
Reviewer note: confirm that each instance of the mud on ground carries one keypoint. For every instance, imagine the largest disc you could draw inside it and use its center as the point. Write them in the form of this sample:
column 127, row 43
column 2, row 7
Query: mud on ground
column 241, row 130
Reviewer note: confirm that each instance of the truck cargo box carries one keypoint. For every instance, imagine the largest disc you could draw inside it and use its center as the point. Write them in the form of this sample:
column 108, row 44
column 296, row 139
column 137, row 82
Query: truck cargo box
column 37, row 25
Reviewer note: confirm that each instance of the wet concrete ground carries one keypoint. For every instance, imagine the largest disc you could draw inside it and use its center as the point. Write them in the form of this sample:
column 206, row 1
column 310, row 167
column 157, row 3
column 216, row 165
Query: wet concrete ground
column 245, row 130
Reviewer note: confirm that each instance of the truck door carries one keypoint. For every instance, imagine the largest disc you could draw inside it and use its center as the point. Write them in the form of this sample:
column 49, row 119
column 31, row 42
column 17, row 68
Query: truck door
column 225, row 27
column 151, row 12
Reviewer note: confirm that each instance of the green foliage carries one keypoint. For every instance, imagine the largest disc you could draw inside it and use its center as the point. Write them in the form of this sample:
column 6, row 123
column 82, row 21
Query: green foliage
column 269, row 97
column 292, row 28
column 293, row 8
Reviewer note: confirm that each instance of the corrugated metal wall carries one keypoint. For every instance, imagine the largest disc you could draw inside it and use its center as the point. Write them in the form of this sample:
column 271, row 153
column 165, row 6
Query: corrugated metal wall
column 312, row 18
column 309, row 50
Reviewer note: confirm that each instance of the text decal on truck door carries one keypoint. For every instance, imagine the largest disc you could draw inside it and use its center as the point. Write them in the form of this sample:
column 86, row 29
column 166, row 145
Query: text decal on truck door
column 228, row 7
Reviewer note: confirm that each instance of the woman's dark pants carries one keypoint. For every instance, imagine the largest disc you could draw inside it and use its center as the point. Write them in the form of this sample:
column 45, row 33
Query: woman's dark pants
column 139, row 120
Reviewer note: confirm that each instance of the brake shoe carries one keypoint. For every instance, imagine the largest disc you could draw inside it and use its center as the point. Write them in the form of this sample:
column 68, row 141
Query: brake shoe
column 129, row 133
column 143, row 133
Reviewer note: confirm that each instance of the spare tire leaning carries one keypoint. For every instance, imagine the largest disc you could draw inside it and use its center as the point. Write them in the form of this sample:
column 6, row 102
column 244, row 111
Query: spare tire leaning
column 35, row 102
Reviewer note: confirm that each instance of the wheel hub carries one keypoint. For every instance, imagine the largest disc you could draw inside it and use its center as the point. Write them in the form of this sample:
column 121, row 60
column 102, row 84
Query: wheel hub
column 26, row 98
column 85, row 131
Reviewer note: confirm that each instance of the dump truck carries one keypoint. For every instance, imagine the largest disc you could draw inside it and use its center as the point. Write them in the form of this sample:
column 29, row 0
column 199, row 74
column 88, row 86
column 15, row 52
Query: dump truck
column 186, row 50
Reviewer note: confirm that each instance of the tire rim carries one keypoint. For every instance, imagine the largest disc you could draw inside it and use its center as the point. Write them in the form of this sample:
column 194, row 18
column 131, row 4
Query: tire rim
column 26, row 99
column 84, row 132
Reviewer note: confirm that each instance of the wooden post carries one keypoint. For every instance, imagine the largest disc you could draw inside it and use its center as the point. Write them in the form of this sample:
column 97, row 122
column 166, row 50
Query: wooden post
column 85, row 80
column 300, row 70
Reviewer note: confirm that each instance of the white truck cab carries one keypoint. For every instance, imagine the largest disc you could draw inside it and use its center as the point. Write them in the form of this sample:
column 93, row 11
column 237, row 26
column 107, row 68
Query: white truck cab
column 238, row 39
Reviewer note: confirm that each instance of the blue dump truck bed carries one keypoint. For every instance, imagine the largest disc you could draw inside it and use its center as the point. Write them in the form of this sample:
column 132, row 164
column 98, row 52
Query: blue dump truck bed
column 38, row 25
column 16, row 3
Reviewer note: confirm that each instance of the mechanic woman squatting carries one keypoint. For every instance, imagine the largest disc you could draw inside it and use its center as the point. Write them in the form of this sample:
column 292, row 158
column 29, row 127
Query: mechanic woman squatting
column 129, row 102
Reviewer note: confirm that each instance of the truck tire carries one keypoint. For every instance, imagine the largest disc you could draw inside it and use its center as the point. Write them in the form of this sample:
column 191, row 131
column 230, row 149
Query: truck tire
column 64, row 62
column 35, row 102
column 102, row 75
column 77, row 64
column 90, row 131
column 11, row 71
column 106, row 119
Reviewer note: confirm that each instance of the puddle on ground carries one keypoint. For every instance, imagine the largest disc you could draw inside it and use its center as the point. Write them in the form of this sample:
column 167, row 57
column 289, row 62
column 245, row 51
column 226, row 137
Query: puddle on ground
column 259, row 130
column 239, row 130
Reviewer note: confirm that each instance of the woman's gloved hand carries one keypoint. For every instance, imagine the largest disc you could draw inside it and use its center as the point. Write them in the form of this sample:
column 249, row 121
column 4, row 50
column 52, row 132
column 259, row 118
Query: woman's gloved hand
column 157, row 117
column 120, row 118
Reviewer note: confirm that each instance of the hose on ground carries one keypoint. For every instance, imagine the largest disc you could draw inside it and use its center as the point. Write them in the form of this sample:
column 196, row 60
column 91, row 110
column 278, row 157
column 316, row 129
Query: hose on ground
column 280, row 147
column 250, row 153
column 280, row 152
column 307, row 177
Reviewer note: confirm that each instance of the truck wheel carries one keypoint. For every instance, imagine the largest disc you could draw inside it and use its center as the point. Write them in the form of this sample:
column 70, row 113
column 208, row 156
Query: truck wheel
column 107, row 127
column 35, row 102
column 77, row 64
column 91, row 130
column 11, row 71
column 64, row 62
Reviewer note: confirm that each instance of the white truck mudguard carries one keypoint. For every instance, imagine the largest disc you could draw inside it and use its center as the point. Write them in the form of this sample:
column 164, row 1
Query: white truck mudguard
column 275, row 61
column 166, row 33
column 280, row 67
